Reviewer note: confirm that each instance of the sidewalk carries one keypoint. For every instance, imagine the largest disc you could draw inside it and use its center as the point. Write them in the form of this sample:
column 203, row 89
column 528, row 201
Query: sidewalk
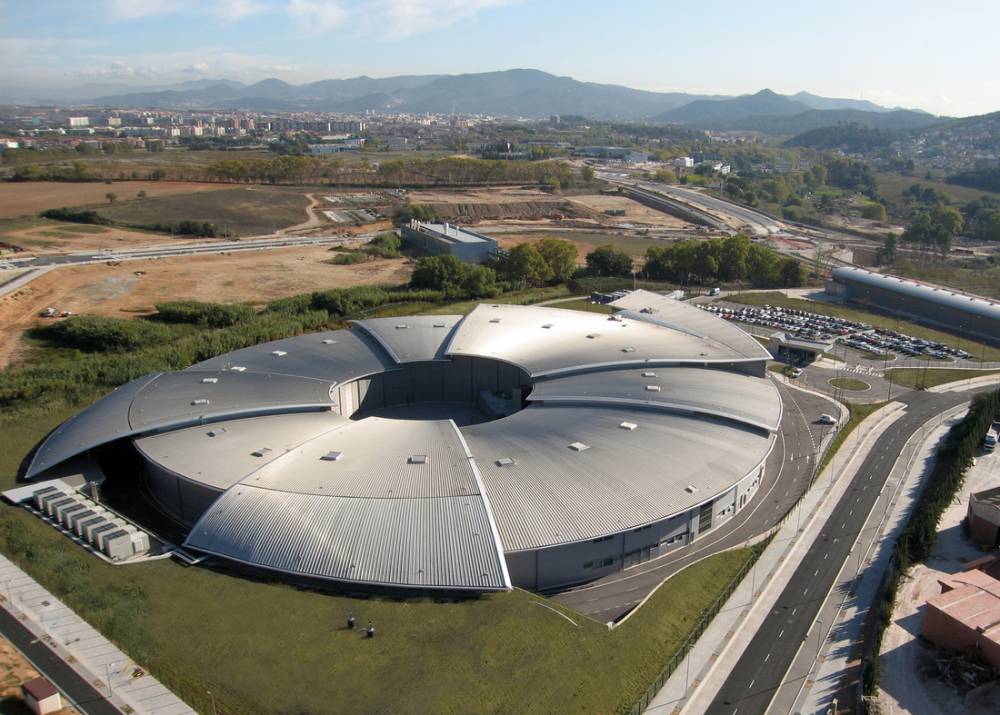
column 693, row 685
column 89, row 653
column 820, row 675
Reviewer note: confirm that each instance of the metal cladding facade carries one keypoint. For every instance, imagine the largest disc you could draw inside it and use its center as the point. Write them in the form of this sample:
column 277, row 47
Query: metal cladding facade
column 924, row 303
column 331, row 458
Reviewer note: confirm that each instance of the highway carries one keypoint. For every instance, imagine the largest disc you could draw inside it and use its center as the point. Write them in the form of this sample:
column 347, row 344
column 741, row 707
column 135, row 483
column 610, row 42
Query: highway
column 786, row 477
column 762, row 667
column 758, row 223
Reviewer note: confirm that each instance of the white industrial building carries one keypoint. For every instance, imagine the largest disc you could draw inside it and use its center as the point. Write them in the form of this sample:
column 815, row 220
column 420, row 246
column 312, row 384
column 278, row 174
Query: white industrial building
column 514, row 446
column 449, row 239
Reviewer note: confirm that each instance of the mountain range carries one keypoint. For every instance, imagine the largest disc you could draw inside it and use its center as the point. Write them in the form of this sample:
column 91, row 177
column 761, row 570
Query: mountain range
column 512, row 93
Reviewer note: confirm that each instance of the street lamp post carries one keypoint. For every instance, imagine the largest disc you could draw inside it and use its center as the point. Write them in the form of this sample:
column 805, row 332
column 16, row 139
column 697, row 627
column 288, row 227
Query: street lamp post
column 819, row 636
column 107, row 673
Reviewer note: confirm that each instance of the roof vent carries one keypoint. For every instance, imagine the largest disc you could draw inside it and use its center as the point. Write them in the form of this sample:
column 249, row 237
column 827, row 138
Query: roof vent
column 690, row 489
column 209, row 380
column 279, row 353
column 628, row 426
column 329, row 341
column 216, row 432
column 332, row 456
column 402, row 326
column 199, row 401
column 238, row 368
column 440, row 325
column 494, row 320
column 261, row 452
column 417, row 459
column 547, row 326
column 505, row 462
column 579, row 446
column 593, row 335
column 628, row 349
column 649, row 374
column 652, row 388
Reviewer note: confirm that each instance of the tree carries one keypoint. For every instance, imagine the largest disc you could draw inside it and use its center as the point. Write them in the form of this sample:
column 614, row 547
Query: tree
column 733, row 258
column 141, row 195
column 666, row 176
column 524, row 264
column 793, row 273
column 560, row 256
column 874, row 212
column 889, row 248
column 111, row 196
column 609, row 261
column 446, row 273
column 480, row 282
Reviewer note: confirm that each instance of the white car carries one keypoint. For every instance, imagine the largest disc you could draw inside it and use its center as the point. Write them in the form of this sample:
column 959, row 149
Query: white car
column 827, row 420
column 796, row 372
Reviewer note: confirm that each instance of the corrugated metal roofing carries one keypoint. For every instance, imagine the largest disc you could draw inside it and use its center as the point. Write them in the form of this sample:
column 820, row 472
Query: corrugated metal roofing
column 221, row 454
column 336, row 356
column 719, row 393
column 184, row 396
column 577, row 340
column 552, row 494
column 437, row 542
column 922, row 291
column 375, row 462
column 413, row 338
column 104, row 421
column 668, row 312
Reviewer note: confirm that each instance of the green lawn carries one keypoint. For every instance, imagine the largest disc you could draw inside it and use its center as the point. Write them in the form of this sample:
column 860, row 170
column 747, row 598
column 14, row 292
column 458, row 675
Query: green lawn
column 774, row 298
column 917, row 378
column 271, row 648
column 243, row 211
column 858, row 414
column 892, row 186
column 849, row 383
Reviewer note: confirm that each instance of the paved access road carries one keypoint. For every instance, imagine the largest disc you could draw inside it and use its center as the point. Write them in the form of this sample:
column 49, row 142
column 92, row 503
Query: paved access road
column 786, row 477
column 761, row 669
column 68, row 259
column 46, row 662
column 761, row 224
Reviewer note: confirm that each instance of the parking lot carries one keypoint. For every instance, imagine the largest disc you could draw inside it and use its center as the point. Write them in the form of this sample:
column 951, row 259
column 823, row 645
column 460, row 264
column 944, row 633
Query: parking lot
column 878, row 342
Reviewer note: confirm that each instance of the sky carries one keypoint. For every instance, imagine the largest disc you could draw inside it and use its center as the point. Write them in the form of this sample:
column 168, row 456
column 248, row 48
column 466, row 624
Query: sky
column 940, row 57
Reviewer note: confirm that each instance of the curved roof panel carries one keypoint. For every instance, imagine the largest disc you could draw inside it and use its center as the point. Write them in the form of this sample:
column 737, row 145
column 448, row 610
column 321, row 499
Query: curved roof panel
column 922, row 291
column 336, row 356
column 716, row 393
column 550, row 341
column 413, row 338
column 545, row 492
column 676, row 314
column 104, row 421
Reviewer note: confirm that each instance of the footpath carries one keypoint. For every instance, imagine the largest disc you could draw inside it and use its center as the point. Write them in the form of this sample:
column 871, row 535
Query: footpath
column 694, row 683
column 124, row 683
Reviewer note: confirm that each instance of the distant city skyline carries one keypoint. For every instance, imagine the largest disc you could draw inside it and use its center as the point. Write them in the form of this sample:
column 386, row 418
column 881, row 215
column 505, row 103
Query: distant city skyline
column 914, row 54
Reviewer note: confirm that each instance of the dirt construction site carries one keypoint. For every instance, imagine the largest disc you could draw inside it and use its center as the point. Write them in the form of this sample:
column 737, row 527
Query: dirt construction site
column 132, row 288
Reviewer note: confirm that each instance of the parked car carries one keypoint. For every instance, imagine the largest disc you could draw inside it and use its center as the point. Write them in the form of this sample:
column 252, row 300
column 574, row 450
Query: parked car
column 827, row 420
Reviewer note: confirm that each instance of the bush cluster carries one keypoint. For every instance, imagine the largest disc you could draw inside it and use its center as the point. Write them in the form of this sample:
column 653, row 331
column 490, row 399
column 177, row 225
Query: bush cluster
column 211, row 315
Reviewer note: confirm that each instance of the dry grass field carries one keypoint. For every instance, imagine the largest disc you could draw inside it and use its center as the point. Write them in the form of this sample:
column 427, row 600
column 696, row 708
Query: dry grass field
column 132, row 288
column 43, row 236
column 30, row 197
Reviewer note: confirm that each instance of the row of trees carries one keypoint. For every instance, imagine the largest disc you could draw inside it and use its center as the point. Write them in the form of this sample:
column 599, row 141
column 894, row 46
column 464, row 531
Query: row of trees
column 733, row 259
column 935, row 229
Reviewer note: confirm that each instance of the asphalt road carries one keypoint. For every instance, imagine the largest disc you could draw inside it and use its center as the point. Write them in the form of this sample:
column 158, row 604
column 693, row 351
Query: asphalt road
column 786, row 477
column 761, row 224
column 68, row 259
column 46, row 662
column 761, row 669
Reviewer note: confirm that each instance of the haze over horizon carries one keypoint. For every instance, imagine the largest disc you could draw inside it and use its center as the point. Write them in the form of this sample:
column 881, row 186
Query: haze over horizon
column 892, row 53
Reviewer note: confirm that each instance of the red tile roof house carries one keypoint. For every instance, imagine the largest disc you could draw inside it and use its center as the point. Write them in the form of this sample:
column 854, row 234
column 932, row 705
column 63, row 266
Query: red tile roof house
column 966, row 615
column 41, row 696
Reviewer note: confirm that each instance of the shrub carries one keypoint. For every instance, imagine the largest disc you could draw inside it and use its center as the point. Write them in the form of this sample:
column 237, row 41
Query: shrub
column 348, row 259
column 75, row 216
column 97, row 334
column 213, row 315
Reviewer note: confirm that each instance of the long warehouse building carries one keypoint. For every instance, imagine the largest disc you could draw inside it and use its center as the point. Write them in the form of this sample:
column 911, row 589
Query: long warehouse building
column 514, row 446
column 937, row 306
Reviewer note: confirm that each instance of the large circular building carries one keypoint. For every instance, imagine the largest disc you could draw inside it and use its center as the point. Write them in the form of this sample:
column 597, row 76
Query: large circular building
column 525, row 446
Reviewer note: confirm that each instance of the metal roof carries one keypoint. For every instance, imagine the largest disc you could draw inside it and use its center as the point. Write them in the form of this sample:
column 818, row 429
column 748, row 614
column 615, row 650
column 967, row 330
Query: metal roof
column 944, row 297
column 549, row 341
column 717, row 393
column 222, row 453
column 337, row 356
column 553, row 494
column 413, row 338
column 676, row 314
